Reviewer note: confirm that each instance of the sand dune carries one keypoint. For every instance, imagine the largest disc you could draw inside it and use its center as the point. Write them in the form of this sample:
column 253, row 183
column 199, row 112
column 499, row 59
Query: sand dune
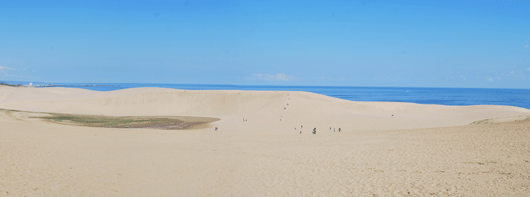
column 262, row 109
column 423, row 150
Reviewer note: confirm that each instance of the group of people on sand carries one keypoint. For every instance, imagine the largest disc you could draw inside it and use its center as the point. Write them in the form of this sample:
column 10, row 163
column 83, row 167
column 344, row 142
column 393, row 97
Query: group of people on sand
column 334, row 129
column 315, row 129
column 301, row 127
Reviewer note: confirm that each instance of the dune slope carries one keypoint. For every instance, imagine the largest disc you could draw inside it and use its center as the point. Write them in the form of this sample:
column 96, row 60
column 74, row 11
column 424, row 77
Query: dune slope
column 273, row 111
column 422, row 150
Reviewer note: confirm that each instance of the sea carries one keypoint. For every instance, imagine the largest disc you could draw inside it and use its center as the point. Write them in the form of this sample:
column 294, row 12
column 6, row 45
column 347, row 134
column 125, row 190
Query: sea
column 439, row 96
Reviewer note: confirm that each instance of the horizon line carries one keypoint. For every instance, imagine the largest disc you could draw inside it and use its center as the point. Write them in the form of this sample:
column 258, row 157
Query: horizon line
column 63, row 83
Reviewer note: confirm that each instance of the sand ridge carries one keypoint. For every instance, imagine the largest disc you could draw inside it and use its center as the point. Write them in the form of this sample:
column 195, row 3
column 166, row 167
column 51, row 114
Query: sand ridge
column 260, row 108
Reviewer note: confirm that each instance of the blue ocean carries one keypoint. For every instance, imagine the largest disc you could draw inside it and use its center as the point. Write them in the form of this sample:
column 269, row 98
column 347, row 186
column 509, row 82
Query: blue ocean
column 441, row 96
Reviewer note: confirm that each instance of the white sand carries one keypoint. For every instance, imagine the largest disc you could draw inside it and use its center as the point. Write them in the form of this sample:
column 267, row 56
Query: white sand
column 421, row 150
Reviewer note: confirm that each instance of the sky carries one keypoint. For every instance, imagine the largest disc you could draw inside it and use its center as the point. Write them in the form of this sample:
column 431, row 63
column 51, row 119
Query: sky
column 399, row 43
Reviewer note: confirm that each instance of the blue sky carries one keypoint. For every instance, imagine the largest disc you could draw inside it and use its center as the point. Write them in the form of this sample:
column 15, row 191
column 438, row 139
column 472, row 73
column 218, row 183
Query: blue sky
column 400, row 43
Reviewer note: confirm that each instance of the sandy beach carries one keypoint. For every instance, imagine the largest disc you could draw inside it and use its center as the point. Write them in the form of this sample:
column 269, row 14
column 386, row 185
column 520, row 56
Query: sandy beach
column 383, row 149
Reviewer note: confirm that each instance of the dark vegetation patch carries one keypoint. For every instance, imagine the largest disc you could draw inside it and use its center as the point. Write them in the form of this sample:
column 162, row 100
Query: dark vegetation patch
column 130, row 121
column 153, row 122
column 11, row 85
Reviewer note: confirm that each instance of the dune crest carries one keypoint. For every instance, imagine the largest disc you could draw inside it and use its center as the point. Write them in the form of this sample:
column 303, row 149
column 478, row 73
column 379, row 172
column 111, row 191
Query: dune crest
column 274, row 110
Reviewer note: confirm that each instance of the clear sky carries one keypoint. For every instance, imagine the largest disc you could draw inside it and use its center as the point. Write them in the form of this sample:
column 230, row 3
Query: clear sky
column 411, row 43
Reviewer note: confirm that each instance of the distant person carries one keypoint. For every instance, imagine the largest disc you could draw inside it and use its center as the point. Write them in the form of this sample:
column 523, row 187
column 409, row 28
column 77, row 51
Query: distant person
column 216, row 128
column 339, row 129
column 330, row 128
column 302, row 126
column 333, row 129
column 315, row 130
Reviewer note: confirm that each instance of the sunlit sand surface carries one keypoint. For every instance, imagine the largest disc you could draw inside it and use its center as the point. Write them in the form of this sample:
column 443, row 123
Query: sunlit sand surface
column 384, row 149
